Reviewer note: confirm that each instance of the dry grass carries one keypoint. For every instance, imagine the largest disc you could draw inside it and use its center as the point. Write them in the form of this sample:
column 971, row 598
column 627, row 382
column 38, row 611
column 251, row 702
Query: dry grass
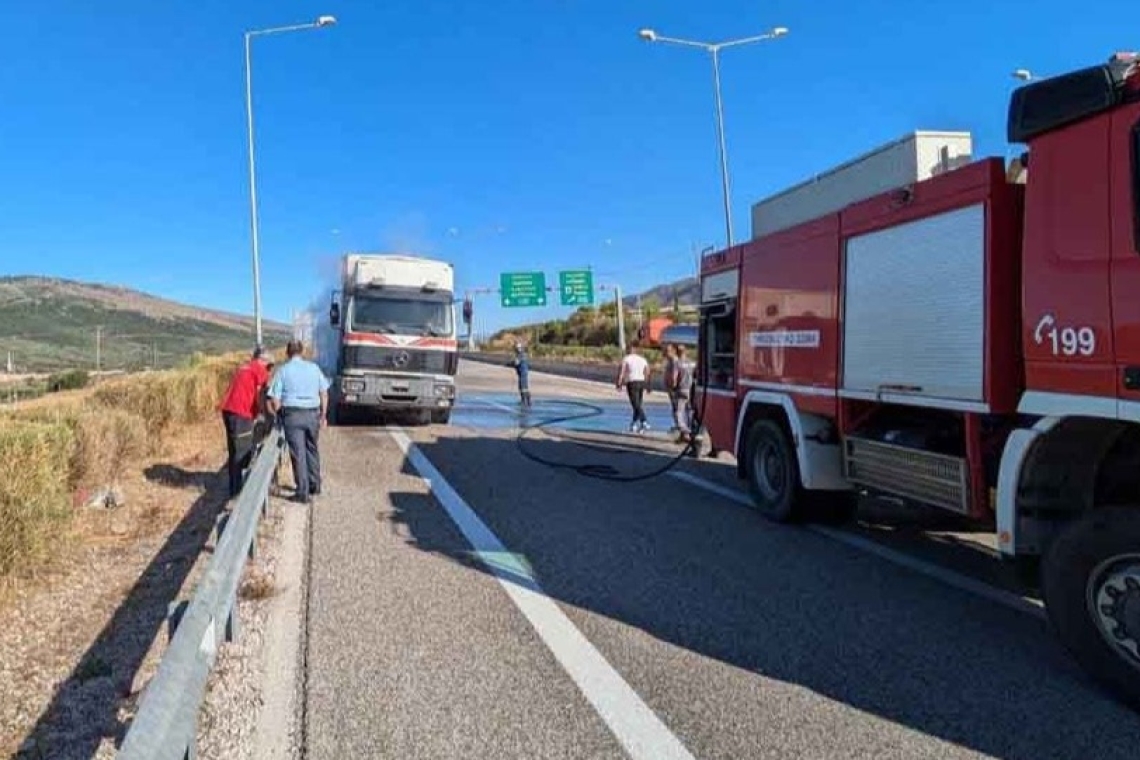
column 106, row 442
column 58, row 449
column 34, row 495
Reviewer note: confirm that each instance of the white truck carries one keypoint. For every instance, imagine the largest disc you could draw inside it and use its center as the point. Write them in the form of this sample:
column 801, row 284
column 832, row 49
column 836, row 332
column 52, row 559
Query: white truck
column 390, row 341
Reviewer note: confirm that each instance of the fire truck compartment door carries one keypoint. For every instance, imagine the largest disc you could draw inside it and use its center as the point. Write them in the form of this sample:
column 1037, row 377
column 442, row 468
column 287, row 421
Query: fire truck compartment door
column 914, row 310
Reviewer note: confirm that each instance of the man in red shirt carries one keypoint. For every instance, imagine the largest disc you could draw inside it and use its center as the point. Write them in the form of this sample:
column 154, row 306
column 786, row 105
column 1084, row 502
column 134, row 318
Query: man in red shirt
column 240, row 409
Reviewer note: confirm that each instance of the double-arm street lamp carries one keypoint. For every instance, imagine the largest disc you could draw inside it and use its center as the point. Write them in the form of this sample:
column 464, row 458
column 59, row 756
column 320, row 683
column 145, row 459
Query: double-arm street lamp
column 322, row 21
column 714, row 48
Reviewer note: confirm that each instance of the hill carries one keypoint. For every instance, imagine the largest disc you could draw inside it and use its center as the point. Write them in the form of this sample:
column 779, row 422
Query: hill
column 686, row 292
column 50, row 324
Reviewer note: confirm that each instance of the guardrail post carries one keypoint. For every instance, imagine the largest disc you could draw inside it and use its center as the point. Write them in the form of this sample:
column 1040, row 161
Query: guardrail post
column 220, row 526
column 174, row 612
column 233, row 624
column 192, row 742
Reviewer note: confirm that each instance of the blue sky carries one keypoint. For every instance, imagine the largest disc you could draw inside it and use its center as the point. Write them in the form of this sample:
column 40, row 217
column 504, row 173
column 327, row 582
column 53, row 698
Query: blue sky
column 504, row 135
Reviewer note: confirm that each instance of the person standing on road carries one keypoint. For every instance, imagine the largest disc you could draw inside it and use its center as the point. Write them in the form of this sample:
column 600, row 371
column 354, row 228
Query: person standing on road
column 634, row 375
column 683, row 392
column 670, row 383
column 299, row 393
column 522, row 368
column 240, row 407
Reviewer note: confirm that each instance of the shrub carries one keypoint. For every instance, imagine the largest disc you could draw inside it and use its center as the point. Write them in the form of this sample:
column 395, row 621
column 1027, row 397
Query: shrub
column 72, row 380
column 34, row 498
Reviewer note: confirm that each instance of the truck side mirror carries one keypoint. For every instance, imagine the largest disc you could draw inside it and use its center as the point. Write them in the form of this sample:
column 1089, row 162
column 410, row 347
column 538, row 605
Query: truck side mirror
column 334, row 314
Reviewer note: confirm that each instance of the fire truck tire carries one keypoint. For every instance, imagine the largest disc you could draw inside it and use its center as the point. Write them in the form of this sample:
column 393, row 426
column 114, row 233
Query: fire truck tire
column 1091, row 586
column 441, row 417
column 335, row 415
column 773, row 473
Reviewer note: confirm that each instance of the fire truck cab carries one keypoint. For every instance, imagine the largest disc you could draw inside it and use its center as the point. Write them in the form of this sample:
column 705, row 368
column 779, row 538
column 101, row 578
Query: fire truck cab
column 967, row 338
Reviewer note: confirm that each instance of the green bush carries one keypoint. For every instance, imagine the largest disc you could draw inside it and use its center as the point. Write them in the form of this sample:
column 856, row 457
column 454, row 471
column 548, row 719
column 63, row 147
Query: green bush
column 72, row 380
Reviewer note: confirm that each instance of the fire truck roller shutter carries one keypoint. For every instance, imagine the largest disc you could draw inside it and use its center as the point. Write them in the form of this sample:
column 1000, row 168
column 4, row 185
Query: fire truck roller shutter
column 914, row 310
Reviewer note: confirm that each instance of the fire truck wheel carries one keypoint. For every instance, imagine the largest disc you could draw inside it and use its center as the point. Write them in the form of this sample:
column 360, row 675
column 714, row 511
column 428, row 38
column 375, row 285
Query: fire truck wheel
column 773, row 474
column 1091, row 585
column 441, row 417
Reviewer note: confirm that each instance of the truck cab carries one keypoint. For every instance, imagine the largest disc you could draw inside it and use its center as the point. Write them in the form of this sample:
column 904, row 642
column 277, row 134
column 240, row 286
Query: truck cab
column 1081, row 250
column 393, row 344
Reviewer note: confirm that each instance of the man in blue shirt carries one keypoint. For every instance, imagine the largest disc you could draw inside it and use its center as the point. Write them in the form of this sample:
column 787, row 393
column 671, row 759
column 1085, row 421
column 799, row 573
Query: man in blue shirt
column 299, row 395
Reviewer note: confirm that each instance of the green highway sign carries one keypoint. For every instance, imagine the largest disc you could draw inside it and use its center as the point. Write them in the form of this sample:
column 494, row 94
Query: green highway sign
column 522, row 288
column 576, row 287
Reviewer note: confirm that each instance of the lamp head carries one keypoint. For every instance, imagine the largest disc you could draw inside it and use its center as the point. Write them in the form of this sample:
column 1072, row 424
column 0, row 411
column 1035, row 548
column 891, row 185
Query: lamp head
column 648, row 35
column 326, row 20
column 779, row 31
column 1023, row 74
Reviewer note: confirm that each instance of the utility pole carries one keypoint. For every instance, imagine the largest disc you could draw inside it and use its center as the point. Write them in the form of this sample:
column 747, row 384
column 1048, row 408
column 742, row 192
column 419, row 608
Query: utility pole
column 98, row 348
column 619, row 313
column 620, row 318
column 154, row 354
column 10, row 370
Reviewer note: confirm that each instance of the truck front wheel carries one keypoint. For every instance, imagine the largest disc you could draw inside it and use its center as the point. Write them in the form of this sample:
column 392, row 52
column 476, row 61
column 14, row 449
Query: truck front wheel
column 773, row 474
column 441, row 416
column 1091, row 585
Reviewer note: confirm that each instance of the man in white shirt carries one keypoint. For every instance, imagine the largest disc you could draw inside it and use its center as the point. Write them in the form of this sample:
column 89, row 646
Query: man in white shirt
column 634, row 375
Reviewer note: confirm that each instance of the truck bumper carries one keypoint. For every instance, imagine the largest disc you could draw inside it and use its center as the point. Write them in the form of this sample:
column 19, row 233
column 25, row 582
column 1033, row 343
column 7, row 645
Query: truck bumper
column 394, row 391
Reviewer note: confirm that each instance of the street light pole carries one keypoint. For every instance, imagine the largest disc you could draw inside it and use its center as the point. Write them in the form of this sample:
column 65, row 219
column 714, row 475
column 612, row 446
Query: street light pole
column 723, row 148
column 714, row 49
column 256, row 252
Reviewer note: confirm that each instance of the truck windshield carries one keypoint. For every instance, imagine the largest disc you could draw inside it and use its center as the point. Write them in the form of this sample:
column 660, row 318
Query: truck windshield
column 407, row 316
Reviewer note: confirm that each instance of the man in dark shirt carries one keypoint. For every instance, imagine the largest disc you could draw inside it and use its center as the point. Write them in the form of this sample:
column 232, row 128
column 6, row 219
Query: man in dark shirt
column 240, row 409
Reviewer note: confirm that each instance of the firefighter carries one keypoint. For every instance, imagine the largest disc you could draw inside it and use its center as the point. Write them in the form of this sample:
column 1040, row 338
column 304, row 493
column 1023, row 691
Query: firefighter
column 522, row 368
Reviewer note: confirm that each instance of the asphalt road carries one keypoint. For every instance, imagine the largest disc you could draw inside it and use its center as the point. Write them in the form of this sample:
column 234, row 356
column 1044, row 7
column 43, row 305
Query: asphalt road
column 466, row 601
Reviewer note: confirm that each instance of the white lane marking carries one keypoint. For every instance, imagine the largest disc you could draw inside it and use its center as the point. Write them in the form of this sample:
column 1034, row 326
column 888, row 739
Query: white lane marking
column 949, row 577
column 632, row 722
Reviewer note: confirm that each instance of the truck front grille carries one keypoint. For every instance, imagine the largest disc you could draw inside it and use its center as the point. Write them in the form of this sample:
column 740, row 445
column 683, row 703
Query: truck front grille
column 399, row 359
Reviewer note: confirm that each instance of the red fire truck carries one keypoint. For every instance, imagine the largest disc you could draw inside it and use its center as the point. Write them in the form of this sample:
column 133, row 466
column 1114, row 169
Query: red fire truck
column 971, row 341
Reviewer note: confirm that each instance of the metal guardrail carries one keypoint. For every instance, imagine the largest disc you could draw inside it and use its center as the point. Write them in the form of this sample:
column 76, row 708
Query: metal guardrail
column 166, row 725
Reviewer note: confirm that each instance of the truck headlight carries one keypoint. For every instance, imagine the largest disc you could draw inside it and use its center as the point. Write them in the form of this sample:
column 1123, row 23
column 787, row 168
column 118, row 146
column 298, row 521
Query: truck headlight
column 445, row 391
column 353, row 386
